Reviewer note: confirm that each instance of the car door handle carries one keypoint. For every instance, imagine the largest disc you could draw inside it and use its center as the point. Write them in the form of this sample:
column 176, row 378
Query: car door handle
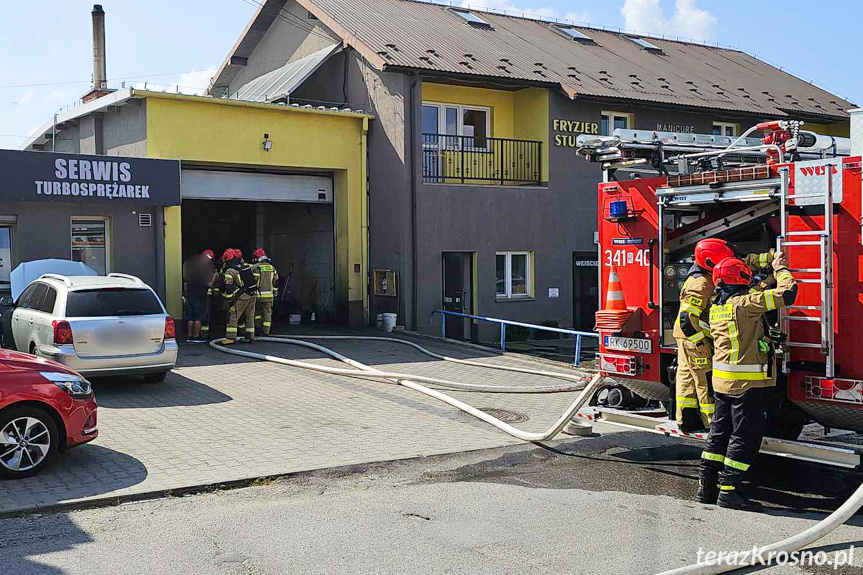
column 30, row 322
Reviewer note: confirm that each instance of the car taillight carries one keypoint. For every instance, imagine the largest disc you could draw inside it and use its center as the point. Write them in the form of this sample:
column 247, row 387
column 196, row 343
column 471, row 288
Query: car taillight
column 62, row 332
column 170, row 331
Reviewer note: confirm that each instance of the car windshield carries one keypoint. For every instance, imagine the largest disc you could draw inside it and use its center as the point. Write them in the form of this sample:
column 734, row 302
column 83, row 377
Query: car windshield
column 112, row 302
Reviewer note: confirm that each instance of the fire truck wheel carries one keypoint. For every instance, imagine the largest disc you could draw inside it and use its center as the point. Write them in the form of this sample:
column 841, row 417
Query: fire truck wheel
column 786, row 423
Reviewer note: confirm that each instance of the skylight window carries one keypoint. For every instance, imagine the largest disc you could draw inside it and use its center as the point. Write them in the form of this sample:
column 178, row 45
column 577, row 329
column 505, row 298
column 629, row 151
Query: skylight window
column 574, row 33
column 645, row 44
column 471, row 18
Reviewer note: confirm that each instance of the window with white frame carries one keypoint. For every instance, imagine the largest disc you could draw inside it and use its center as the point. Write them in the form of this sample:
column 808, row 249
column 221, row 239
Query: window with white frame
column 612, row 121
column 473, row 123
column 91, row 243
column 725, row 129
column 513, row 275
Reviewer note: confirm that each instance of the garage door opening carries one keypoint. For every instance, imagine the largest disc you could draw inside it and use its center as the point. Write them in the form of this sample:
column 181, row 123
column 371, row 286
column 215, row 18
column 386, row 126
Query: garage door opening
column 298, row 237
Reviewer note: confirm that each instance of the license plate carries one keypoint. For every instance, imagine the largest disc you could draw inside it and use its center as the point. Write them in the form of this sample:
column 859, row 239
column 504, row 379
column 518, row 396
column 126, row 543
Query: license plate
column 636, row 344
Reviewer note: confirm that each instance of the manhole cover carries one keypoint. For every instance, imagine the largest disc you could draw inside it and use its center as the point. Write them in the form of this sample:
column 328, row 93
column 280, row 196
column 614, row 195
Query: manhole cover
column 504, row 415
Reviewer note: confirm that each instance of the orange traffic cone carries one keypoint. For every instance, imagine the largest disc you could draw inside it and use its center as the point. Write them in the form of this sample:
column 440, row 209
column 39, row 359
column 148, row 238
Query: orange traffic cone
column 616, row 314
column 614, row 299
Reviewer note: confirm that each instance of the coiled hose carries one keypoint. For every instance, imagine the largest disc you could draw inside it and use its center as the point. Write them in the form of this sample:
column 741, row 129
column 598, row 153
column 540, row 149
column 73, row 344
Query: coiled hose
column 788, row 545
column 410, row 381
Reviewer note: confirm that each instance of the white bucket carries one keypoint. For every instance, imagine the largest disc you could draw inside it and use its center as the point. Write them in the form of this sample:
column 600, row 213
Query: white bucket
column 380, row 321
column 389, row 321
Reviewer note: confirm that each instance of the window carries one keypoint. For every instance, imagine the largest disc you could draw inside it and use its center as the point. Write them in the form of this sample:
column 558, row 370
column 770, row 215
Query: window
column 471, row 123
column 650, row 47
column 612, row 121
column 725, row 129
column 90, row 243
column 112, row 302
column 574, row 33
column 513, row 275
column 26, row 296
column 5, row 257
column 471, row 18
column 47, row 303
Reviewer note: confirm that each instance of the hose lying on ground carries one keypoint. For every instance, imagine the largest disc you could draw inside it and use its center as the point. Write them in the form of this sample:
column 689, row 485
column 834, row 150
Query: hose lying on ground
column 788, row 545
column 364, row 371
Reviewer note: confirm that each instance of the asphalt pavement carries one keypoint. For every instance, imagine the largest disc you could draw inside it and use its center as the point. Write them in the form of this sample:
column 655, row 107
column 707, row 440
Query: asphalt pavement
column 616, row 504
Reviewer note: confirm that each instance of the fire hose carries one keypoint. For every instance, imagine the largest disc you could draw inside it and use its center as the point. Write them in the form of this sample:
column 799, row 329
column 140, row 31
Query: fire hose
column 788, row 545
column 410, row 381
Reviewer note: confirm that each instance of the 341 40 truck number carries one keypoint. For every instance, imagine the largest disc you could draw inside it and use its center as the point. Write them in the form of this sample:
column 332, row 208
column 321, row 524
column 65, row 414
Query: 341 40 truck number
column 626, row 257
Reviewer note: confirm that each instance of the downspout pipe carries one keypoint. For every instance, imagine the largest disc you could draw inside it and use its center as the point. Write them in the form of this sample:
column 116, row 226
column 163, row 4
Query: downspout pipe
column 414, row 143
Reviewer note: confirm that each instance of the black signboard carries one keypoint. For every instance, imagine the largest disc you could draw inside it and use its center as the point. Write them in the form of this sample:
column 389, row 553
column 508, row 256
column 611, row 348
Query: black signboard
column 53, row 177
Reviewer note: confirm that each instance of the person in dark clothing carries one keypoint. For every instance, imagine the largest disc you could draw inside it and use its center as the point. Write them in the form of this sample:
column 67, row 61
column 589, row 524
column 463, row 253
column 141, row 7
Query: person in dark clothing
column 198, row 272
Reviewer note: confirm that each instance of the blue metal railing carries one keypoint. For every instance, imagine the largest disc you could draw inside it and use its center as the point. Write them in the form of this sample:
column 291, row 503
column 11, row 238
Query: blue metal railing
column 505, row 322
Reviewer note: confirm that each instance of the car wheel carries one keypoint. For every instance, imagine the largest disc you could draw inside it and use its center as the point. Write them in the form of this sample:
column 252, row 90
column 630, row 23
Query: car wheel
column 28, row 441
column 156, row 377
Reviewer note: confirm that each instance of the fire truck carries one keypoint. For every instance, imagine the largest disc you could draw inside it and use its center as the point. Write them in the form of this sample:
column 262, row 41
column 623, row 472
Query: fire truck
column 776, row 186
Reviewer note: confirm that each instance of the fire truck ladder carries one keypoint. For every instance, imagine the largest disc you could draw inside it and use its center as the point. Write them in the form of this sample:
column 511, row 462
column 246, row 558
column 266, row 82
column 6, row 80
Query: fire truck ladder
column 793, row 242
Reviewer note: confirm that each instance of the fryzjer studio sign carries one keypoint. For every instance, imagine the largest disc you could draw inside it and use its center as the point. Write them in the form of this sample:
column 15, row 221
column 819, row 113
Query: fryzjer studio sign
column 47, row 176
column 567, row 131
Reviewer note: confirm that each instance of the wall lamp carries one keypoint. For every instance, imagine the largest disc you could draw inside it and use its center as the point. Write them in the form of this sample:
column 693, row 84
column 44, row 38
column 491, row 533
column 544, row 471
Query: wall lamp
column 267, row 143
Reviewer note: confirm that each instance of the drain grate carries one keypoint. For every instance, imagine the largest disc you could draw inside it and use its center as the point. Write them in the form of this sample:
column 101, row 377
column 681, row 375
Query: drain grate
column 504, row 415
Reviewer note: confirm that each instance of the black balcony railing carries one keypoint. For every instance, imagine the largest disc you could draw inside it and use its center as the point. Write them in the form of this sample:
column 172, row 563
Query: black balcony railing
column 468, row 159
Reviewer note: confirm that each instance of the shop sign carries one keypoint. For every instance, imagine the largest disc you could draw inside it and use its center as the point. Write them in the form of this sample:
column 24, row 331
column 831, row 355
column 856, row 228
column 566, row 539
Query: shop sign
column 567, row 131
column 678, row 128
column 48, row 176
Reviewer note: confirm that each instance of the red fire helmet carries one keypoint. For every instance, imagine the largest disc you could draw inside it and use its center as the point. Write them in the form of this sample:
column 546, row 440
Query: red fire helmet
column 238, row 253
column 229, row 254
column 711, row 251
column 209, row 254
column 259, row 253
column 732, row 271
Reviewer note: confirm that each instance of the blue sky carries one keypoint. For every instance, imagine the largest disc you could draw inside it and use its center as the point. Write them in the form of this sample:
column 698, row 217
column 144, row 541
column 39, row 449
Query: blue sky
column 45, row 45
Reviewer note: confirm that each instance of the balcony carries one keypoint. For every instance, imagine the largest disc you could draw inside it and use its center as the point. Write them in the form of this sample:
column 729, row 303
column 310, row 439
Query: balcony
column 481, row 160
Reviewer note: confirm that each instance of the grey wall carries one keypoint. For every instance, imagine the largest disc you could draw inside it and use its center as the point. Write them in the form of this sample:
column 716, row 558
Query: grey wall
column 119, row 131
column 284, row 41
column 44, row 230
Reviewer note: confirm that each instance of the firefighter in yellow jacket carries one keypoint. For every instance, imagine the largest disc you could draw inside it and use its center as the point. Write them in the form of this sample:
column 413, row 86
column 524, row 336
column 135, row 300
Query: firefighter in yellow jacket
column 268, row 289
column 743, row 371
column 239, row 290
column 691, row 330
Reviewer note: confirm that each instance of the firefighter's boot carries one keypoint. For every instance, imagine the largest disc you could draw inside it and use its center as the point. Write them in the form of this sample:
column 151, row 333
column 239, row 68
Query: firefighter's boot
column 730, row 497
column 708, row 485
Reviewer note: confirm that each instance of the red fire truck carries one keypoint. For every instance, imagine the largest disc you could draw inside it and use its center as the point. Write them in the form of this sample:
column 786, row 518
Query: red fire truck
column 787, row 188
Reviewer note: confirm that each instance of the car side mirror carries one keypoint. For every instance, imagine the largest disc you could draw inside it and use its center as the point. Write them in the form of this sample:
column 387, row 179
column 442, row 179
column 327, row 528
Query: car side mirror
column 7, row 302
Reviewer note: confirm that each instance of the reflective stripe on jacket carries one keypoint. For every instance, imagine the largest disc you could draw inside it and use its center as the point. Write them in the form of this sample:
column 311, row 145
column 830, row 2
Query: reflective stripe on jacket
column 268, row 279
column 741, row 353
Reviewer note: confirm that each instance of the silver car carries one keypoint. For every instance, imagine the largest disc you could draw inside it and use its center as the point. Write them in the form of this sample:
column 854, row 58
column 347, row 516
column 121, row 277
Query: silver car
column 95, row 325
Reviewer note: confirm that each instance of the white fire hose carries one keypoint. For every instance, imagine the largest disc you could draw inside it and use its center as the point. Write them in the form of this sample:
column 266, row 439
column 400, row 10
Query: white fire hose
column 410, row 381
column 788, row 545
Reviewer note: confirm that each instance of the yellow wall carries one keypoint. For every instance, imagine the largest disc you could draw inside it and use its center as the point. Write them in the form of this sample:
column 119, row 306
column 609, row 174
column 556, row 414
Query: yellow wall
column 521, row 115
column 839, row 129
column 226, row 132
column 174, row 261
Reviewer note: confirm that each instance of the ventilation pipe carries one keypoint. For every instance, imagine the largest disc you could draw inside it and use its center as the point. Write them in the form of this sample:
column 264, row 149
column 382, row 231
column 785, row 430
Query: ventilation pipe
column 100, row 76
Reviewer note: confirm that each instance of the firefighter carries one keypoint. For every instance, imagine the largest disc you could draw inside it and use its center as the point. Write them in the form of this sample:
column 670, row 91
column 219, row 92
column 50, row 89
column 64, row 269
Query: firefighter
column 268, row 287
column 743, row 372
column 694, row 406
column 239, row 290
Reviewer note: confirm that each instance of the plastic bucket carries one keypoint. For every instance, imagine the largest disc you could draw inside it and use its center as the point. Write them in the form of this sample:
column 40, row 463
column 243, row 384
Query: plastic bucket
column 380, row 321
column 389, row 321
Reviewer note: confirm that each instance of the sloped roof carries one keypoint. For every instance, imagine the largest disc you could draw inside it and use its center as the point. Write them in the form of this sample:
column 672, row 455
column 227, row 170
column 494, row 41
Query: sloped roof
column 406, row 34
column 282, row 81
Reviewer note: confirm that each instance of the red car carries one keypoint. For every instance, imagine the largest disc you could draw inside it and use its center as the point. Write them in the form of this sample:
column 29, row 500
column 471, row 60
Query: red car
column 44, row 408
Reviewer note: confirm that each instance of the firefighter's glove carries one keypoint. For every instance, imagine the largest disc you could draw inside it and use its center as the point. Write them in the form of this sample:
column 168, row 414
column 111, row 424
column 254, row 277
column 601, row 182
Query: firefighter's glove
column 780, row 261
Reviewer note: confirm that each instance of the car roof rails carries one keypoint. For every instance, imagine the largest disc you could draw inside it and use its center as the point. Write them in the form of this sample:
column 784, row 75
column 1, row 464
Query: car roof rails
column 66, row 281
column 133, row 279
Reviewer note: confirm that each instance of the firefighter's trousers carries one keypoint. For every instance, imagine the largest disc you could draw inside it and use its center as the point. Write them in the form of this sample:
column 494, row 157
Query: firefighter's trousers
column 735, row 436
column 242, row 312
column 692, row 393
column 264, row 316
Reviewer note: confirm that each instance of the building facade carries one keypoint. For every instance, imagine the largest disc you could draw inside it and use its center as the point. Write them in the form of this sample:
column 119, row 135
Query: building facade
column 477, row 200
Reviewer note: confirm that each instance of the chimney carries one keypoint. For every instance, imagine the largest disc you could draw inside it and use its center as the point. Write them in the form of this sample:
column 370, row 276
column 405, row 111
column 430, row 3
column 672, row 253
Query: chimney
column 100, row 79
